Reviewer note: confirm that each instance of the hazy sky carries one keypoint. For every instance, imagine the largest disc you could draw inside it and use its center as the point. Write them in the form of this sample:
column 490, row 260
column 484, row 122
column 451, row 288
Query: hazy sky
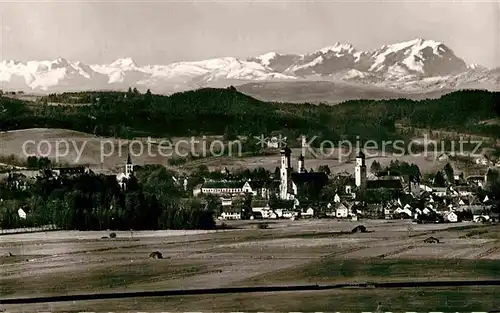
column 165, row 32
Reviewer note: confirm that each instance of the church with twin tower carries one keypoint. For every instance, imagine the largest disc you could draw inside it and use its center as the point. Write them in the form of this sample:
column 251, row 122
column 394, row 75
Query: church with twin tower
column 292, row 181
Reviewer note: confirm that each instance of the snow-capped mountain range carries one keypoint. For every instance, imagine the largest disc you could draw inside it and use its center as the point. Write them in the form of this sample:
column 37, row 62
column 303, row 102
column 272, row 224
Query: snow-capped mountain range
column 415, row 64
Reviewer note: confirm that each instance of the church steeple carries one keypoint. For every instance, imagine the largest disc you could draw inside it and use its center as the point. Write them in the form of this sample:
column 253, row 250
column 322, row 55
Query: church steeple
column 301, row 165
column 129, row 167
column 360, row 170
column 285, row 171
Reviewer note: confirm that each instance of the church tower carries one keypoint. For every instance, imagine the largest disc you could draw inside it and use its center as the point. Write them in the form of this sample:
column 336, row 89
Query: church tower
column 360, row 171
column 285, row 173
column 301, row 166
column 303, row 145
column 129, row 167
column 415, row 185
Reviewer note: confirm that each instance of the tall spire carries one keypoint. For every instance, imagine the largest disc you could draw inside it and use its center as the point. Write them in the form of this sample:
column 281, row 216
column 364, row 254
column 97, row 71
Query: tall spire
column 129, row 167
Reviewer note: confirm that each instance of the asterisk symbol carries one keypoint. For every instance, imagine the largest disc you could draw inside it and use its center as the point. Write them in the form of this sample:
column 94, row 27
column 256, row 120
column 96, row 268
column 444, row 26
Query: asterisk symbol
column 261, row 140
column 281, row 141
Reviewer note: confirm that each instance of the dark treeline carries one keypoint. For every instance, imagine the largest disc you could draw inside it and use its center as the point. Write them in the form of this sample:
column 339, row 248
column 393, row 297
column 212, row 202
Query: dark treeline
column 151, row 201
column 226, row 111
column 396, row 168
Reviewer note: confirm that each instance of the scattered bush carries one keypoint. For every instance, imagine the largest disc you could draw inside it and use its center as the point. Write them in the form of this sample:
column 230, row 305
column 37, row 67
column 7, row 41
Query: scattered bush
column 156, row 255
column 359, row 228
column 177, row 161
column 474, row 233
column 262, row 226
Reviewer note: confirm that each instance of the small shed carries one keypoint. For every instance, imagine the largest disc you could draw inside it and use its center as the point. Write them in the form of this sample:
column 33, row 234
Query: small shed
column 360, row 228
column 431, row 240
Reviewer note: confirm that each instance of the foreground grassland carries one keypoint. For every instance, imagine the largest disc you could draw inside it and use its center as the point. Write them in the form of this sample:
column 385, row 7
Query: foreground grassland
column 288, row 253
column 404, row 300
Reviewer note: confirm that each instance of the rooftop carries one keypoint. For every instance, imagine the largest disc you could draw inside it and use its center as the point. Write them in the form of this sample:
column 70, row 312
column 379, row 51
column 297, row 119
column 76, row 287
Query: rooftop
column 318, row 177
column 286, row 151
column 220, row 184
column 384, row 183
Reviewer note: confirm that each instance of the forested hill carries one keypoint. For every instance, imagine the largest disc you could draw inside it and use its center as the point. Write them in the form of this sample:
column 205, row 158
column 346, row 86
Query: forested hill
column 218, row 111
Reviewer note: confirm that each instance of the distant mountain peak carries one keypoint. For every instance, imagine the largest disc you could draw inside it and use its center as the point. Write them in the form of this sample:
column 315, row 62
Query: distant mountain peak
column 475, row 66
column 266, row 58
column 124, row 62
column 418, row 43
column 60, row 60
column 418, row 62
column 338, row 47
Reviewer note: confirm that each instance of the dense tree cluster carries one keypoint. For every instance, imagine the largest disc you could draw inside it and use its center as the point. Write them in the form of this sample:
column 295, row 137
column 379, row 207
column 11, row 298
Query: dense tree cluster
column 34, row 162
column 228, row 112
column 152, row 200
column 397, row 168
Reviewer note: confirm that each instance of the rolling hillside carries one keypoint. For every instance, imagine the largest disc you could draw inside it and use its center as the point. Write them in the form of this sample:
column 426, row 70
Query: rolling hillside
column 227, row 111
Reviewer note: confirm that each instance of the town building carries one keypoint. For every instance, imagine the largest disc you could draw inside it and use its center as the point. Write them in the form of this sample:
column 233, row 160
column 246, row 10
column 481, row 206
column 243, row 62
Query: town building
column 362, row 182
column 291, row 183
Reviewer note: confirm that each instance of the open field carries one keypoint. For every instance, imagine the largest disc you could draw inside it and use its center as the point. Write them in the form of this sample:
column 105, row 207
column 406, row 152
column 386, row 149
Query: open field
column 77, row 148
column 336, row 164
column 288, row 253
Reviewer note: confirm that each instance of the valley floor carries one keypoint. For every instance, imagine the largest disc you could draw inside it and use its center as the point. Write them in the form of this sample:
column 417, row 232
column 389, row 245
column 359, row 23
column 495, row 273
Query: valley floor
column 288, row 253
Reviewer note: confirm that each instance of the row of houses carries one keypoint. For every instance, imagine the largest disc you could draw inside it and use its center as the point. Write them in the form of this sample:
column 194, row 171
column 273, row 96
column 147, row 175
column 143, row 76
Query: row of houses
column 432, row 201
column 261, row 189
column 483, row 159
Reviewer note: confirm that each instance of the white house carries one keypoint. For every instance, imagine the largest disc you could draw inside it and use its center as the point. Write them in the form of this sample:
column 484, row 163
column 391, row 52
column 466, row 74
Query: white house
column 257, row 188
column 425, row 188
column 483, row 160
column 226, row 201
column 480, row 218
column 273, row 215
column 388, row 210
column 478, row 180
column 348, row 189
column 231, row 215
column 342, row 212
column 405, row 210
column 221, row 188
column 262, row 207
column 440, row 191
column 197, row 190
column 289, row 214
column 336, row 199
column 330, row 212
column 464, row 193
column 21, row 213
column 278, row 213
column 451, row 217
column 308, row 213
column 443, row 157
